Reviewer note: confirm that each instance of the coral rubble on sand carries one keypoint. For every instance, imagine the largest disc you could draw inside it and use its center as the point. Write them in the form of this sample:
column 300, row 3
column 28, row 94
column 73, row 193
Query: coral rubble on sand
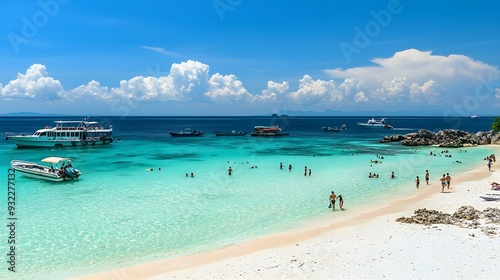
column 466, row 217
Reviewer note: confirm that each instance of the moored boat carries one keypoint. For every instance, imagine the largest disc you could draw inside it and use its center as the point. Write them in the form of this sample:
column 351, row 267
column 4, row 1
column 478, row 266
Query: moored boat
column 373, row 123
column 230, row 133
column 66, row 134
column 268, row 131
column 50, row 173
column 188, row 132
column 330, row 129
column 333, row 129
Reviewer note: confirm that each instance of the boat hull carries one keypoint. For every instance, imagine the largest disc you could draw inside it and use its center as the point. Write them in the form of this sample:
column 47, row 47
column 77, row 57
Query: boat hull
column 269, row 134
column 39, row 175
column 230, row 133
column 373, row 126
column 491, row 197
column 173, row 134
column 39, row 142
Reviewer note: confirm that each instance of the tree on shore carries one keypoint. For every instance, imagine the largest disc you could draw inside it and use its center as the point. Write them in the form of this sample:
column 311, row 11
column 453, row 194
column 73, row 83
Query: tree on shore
column 496, row 124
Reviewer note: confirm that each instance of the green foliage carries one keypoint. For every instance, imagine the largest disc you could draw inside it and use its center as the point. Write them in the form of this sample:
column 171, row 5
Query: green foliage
column 496, row 124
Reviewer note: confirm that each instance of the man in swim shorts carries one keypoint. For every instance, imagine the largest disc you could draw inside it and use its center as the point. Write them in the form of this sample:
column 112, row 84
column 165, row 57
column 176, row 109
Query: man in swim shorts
column 443, row 182
column 332, row 200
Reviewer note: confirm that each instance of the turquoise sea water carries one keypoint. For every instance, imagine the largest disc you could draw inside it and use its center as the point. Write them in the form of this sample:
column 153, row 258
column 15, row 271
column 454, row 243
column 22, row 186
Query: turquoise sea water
column 120, row 213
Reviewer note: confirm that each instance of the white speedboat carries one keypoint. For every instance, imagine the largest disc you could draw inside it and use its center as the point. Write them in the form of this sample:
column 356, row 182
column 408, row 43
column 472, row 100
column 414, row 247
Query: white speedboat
column 490, row 196
column 61, row 171
column 66, row 134
column 373, row 123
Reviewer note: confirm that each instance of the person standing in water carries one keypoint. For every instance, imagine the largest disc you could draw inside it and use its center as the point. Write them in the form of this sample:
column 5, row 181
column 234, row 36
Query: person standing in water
column 332, row 200
column 341, row 202
column 230, row 171
column 427, row 176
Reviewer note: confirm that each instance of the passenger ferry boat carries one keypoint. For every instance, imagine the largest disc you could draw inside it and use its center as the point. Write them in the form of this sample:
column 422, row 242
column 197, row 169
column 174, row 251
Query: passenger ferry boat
column 66, row 134
column 373, row 123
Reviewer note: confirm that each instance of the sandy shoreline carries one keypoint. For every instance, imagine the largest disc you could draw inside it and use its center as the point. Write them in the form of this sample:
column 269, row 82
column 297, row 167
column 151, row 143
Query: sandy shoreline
column 363, row 244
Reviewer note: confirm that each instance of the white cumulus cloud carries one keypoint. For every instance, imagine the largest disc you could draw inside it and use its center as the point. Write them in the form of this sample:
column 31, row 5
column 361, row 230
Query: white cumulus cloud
column 413, row 77
column 316, row 91
column 274, row 91
column 227, row 88
column 34, row 84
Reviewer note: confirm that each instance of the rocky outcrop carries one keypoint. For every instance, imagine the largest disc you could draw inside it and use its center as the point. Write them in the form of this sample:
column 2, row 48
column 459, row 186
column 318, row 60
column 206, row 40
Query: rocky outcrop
column 448, row 138
column 466, row 216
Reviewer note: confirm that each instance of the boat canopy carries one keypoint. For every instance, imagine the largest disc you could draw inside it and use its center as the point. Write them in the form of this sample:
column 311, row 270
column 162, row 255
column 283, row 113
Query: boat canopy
column 55, row 160
column 86, row 122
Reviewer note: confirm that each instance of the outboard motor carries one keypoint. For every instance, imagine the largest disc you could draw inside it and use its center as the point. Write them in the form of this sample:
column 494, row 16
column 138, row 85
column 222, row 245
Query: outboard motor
column 70, row 172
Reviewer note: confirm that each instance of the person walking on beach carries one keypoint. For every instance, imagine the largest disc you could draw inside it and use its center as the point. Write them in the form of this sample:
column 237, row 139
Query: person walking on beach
column 332, row 200
column 489, row 165
column 427, row 176
column 448, row 180
column 417, row 181
column 443, row 183
column 341, row 202
column 230, row 171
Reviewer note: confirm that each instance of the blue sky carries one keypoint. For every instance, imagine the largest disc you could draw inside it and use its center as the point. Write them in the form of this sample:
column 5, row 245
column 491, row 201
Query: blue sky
column 242, row 57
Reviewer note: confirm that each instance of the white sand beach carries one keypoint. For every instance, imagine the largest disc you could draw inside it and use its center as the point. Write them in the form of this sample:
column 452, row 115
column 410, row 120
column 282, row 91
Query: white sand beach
column 363, row 244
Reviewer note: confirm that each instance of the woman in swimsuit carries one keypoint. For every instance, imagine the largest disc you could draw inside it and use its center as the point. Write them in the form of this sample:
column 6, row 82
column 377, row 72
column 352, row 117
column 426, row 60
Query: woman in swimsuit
column 341, row 201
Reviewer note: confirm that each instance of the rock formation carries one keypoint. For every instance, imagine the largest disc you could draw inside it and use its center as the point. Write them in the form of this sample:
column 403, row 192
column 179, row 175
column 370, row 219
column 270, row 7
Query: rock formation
column 448, row 138
column 466, row 216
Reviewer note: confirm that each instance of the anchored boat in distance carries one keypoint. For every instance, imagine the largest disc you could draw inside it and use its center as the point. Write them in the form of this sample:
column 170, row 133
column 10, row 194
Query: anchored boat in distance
column 230, row 133
column 188, row 132
column 373, row 123
column 66, row 134
column 268, row 131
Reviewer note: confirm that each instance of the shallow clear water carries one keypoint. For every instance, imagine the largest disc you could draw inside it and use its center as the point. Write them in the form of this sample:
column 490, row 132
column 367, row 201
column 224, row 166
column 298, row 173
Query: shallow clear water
column 120, row 213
